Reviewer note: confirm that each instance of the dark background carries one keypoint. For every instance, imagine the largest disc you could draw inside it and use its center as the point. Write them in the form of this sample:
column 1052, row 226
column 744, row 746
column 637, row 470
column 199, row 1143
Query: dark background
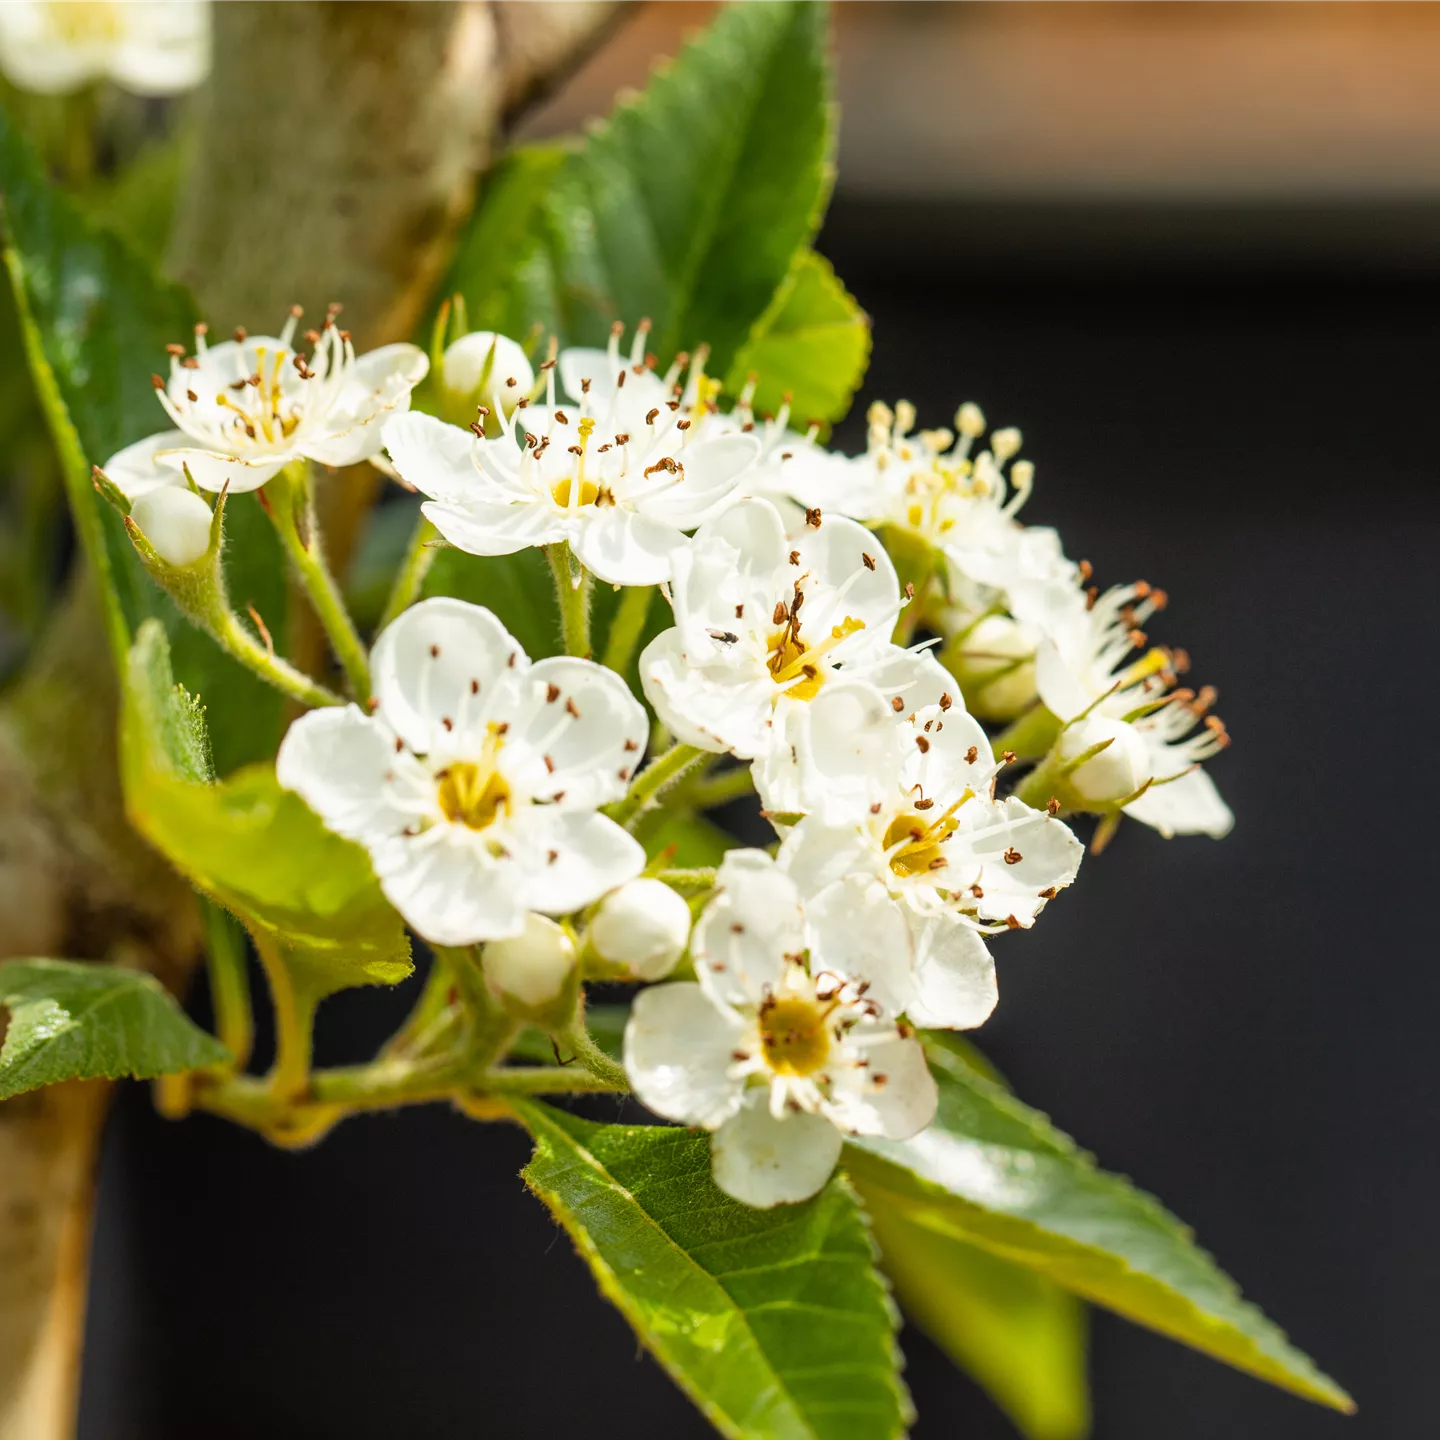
column 1244, row 1027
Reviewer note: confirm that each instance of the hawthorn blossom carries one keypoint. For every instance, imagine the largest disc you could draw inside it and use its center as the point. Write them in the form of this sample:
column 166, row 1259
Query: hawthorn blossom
column 248, row 406
column 1155, row 735
column 644, row 925
column 764, row 624
column 149, row 47
column 475, row 782
column 621, row 470
column 938, row 838
column 786, row 1044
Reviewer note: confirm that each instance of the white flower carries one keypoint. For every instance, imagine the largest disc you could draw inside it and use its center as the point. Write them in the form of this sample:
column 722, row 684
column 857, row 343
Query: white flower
column 937, row 838
column 149, row 47
column 644, row 925
column 532, row 968
column 621, row 471
column 782, row 1048
column 175, row 521
column 484, row 359
column 248, row 406
column 764, row 625
column 1083, row 670
column 475, row 783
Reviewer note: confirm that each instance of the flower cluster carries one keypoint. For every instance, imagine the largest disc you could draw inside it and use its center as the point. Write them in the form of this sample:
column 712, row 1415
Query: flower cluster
column 505, row 802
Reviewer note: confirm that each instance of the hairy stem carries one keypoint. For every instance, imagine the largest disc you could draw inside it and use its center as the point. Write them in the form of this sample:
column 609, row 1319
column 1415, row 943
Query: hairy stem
column 627, row 627
column 411, row 574
column 573, row 583
column 663, row 771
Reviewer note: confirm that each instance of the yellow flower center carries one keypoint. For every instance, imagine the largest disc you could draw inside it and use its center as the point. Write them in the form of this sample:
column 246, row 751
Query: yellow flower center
column 921, row 839
column 259, row 403
column 84, row 22
column 472, row 795
column 795, row 1035
column 561, row 493
column 792, row 662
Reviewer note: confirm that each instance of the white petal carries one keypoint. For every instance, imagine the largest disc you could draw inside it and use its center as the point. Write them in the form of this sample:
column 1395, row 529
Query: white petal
column 338, row 761
column 165, row 48
column 644, row 925
column 1045, row 856
column 713, row 469
column 134, row 470
column 1056, row 683
column 463, row 367
column 577, row 728
column 436, row 458
column 733, row 560
column 592, row 855
column 764, row 1162
column 744, row 934
column 534, row 966
column 622, row 547
column 497, row 529
column 703, row 708
column 815, row 855
column 579, row 363
column 955, row 985
column 211, row 470
column 176, row 522
column 449, row 889
column 439, row 662
column 914, row 677
column 379, row 386
column 859, row 933
column 832, row 757
column 894, row 1096
column 1190, row 805
column 835, row 553
column 678, row 1047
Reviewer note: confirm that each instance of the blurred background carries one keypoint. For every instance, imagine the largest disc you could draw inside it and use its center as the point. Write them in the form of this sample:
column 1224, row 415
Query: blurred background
column 1193, row 251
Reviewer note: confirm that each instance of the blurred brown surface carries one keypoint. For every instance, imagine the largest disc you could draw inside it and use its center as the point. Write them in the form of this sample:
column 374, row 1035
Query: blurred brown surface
column 1254, row 103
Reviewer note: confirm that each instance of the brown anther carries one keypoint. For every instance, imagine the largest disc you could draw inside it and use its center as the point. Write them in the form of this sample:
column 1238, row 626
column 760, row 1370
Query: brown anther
column 1086, row 570
column 945, row 701
column 938, row 863
column 562, row 417
column 740, row 611
column 1052, row 806
column 897, row 704
column 571, row 709
column 1180, row 661
column 474, row 687
column 632, row 746
column 923, row 744
column 157, row 382
column 977, row 892
column 240, row 334
column 1012, row 923
column 552, row 693
column 574, row 450
column 972, row 754
column 448, row 723
column 176, row 350
column 1091, row 595
column 812, row 517
column 867, row 560
column 1012, row 856
column 624, row 773
column 399, row 744
column 549, row 764
column 1049, row 893
column 311, row 337
column 1137, row 638
column 909, row 591
column 551, row 856
column 191, row 396
column 622, row 439
column 190, row 362
column 1159, row 599
column 682, row 424
column 924, row 804
column 876, row 808
column 794, row 557
column 434, row 652
column 1008, row 756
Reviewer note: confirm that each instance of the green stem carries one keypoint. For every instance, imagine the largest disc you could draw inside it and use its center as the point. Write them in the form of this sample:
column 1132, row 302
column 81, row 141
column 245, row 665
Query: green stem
column 1036, row 788
column 550, row 1080
column 627, row 627
column 592, row 1057
column 290, row 499
column 289, row 1078
column 662, row 771
column 696, row 880
column 239, row 644
column 229, row 984
column 411, row 575
column 1030, row 736
column 720, row 789
column 572, row 595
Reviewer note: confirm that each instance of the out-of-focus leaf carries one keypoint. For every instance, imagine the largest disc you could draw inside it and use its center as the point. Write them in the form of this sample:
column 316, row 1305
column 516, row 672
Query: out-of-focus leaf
column 774, row 1322
column 997, row 1175
column 95, row 321
column 139, row 201
column 1019, row 1335
column 687, row 205
column 71, row 1020
column 813, row 344
column 250, row 846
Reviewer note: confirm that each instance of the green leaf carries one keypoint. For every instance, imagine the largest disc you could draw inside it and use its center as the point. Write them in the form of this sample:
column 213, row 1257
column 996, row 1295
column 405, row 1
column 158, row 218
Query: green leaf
column 686, row 206
column 697, row 842
column 774, row 1322
column 250, row 846
column 813, row 344
column 78, row 1021
column 997, row 1175
column 1018, row 1334
column 95, row 320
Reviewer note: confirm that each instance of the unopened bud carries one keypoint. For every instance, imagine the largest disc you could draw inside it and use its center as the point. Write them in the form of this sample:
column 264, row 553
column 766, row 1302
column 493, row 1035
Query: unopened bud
column 534, row 973
column 995, row 665
column 471, row 377
column 1111, row 774
column 645, row 926
column 175, row 521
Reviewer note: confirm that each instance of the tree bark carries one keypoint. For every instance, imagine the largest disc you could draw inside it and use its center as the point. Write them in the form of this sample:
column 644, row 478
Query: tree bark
column 337, row 152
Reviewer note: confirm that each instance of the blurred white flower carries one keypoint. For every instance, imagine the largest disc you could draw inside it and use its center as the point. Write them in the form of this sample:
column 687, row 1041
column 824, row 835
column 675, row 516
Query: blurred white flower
column 149, row 47
column 621, row 470
column 248, row 406
column 485, row 366
column 781, row 1049
column 1158, row 734
column 175, row 521
column 531, row 969
column 475, row 783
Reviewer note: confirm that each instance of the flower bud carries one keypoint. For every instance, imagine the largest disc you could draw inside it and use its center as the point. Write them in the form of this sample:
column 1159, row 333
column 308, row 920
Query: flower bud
column 1111, row 774
column 644, row 925
column 534, row 973
column 995, row 665
column 470, row 377
column 175, row 521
